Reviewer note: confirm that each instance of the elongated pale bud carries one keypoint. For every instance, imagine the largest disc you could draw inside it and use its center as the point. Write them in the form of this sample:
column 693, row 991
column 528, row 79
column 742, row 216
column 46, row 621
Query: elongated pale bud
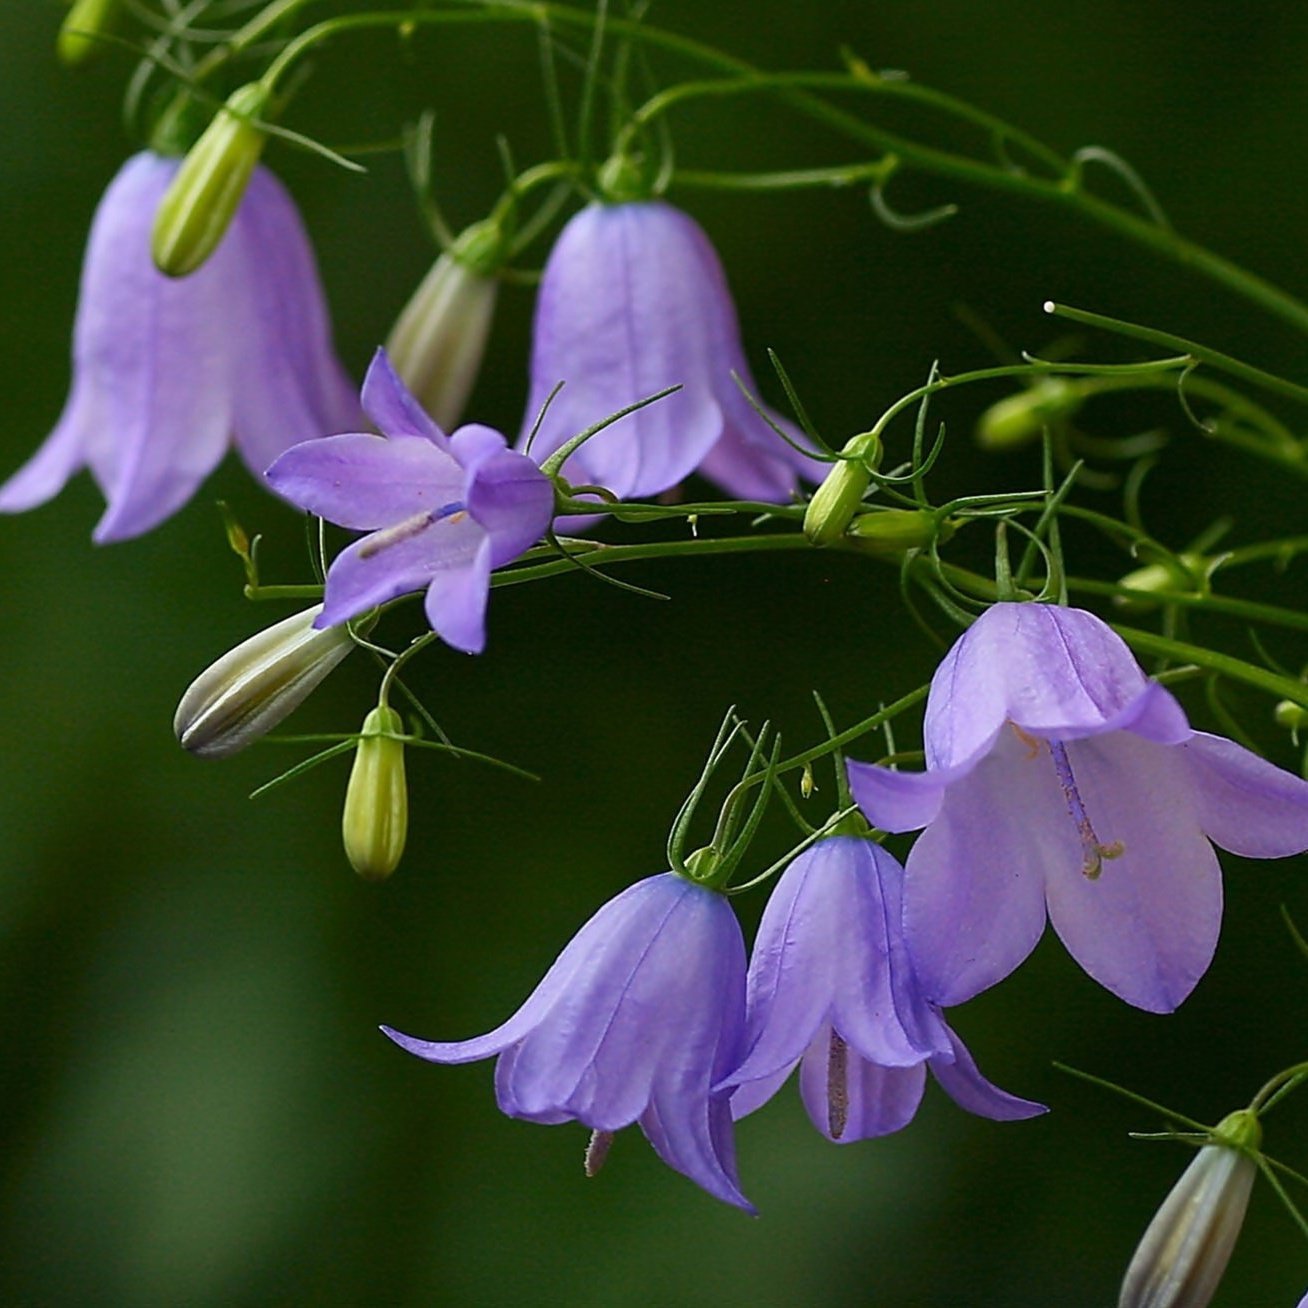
column 1157, row 579
column 254, row 686
column 81, row 27
column 1018, row 419
column 202, row 200
column 439, row 339
column 837, row 499
column 376, row 817
column 890, row 532
column 1188, row 1244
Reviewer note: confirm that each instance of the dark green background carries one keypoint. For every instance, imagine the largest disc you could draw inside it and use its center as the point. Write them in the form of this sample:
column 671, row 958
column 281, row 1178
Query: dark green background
column 196, row 1106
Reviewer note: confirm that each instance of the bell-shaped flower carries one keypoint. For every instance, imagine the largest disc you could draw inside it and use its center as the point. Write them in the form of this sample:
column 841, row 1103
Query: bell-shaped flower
column 167, row 371
column 638, row 1019
column 634, row 300
column 831, row 988
column 1059, row 777
column 443, row 510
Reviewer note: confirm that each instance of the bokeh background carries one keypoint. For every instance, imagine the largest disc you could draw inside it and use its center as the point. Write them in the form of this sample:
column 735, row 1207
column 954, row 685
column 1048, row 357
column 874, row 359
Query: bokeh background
column 196, row 1106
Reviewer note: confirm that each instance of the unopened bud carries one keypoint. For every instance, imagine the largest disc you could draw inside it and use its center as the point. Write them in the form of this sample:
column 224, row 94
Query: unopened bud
column 82, row 27
column 891, row 532
column 1291, row 716
column 1188, row 1244
column 439, row 339
column 837, row 499
column 203, row 198
column 253, row 687
column 376, row 817
column 1149, row 583
column 1018, row 419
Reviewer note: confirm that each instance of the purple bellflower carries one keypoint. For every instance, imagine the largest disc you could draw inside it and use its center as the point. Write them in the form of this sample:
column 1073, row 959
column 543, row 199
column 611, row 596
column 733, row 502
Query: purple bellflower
column 634, row 300
column 1060, row 777
column 638, row 1019
column 831, row 987
column 167, row 371
column 443, row 510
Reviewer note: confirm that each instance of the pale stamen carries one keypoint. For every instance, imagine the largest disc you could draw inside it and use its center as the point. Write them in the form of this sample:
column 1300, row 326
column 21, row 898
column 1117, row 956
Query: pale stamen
column 597, row 1151
column 410, row 527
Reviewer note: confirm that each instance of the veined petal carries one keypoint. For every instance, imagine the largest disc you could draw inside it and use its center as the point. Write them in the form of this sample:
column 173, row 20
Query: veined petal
column 364, row 482
column 974, row 901
column 900, row 801
column 1055, row 672
column 697, row 1143
column 850, row 1098
column 1245, row 803
column 62, row 453
column 1145, row 924
column 965, row 1085
column 459, row 591
column 388, row 402
column 512, row 499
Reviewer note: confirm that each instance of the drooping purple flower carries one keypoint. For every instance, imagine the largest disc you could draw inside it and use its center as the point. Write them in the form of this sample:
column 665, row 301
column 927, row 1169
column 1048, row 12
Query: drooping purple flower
column 443, row 510
column 831, row 987
column 638, row 1019
column 1060, row 777
column 634, row 300
column 167, row 371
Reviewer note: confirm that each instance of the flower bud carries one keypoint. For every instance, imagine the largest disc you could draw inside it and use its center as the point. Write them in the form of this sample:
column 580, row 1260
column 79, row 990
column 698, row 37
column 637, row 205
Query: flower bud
column 1020, row 418
column 1159, row 579
column 1291, row 716
column 889, row 533
column 254, row 686
column 836, row 500
column 81, row 28
column 376, row 817
column 202, row 200
column 1188, row 1244
column 439, row 339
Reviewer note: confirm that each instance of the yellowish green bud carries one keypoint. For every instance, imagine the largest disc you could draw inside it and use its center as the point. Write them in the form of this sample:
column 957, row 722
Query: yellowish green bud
column 82, row 26
column 439, row 339
column 891, row 532
column 253, row 687
column 837, row 499
column 1154, row 580
column 1184, row 1252
column 200, row 204
column 376, row 818
column 1291, row 716
column 1021, row 418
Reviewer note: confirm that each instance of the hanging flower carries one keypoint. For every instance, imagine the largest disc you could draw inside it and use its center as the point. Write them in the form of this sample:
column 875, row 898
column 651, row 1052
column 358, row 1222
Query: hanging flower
column 443, row 510
column 831, row 988
column 167, row 371
column 1060, row 777
column 634, row 300
column 637, row 1020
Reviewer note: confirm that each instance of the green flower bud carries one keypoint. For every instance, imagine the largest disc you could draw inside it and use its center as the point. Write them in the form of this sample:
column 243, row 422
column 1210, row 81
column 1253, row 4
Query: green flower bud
column 890, row 532
column 1018, row 419
column 837, row 499
column 376, row 817
column 1189, row 1242
column 439, row 339
column 1157, row 579
column 81, row 27
column 200, row 204
column 1291, row 716
column 254, row 686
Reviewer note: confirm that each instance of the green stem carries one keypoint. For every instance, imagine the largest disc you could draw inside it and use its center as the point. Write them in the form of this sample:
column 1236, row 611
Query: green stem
column 793, row 180
column 1226, row 604
column 1283, row 1082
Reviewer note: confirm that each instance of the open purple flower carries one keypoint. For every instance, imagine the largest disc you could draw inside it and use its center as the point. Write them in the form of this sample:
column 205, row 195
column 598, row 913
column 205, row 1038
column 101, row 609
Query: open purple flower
column 443, row 510
column 167, row 371
column 637, row 1020
column 1059, row 776
column 634, row 300
column 831, row 987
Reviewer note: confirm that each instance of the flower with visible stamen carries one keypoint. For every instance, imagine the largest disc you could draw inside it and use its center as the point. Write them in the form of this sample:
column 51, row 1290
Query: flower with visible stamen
column 443, row 511
column 637, row 1020
column 1060, row 779
column 831, row 988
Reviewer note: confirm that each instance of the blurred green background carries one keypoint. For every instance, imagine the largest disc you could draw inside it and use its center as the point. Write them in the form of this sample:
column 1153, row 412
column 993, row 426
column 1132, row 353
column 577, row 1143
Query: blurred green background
column 197, row 1108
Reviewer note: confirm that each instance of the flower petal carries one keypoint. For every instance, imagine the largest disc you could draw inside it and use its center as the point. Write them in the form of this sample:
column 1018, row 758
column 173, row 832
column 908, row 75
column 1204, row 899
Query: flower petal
column 458, row 595
column 389, row 403
column 900, row 801
column 512, row 499
column 1246, row 804
column 364, row 482
column 974, row 903
column 1146, row 925
column 966, row 1086
column 698, row 1145
column 62, row 453
column 867, row 1100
